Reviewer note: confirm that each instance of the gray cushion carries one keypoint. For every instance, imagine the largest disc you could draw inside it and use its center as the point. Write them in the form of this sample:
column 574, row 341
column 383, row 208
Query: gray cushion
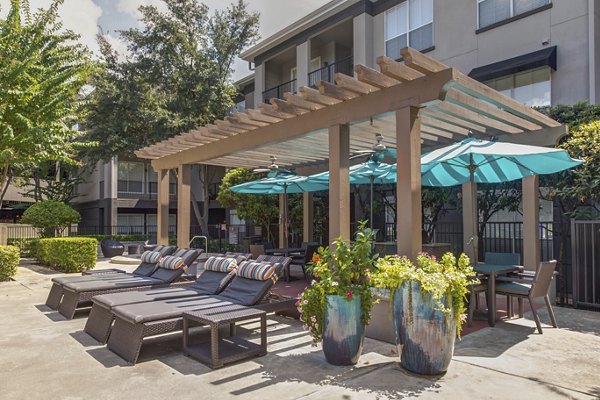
column 246, row 292
column 512, row 288
column 111, row 300
column 92, row 286
column 144, row 269
column 62, row 280
column 212, row 282
column 159, row 310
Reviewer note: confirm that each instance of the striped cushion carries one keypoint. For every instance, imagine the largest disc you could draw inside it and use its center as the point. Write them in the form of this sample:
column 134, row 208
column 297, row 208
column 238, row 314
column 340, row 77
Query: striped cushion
column 255, row 270
column 220, row 264
column 151, row 257
column 171, row 262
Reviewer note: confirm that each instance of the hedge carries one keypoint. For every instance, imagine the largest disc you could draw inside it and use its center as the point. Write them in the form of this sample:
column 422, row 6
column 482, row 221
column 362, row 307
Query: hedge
column 27, row 246
column 69, row 254
column 9, row 261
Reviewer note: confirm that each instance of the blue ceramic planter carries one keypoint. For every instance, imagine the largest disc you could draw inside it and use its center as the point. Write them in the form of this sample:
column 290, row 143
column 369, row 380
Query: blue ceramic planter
column 343, row 331
column 424, row 336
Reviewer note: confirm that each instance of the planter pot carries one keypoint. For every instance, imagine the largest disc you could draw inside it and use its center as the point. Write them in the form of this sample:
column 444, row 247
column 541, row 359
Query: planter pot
column 343, row 331
column 425, row 338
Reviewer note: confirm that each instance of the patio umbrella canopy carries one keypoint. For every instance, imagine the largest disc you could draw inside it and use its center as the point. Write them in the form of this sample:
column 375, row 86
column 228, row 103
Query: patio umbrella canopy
column 482, row 161
column 280, row 182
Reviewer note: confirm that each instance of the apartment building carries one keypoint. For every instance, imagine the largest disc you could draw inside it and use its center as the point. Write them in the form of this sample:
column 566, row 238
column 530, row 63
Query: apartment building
column 540, row 52
column 120, row 197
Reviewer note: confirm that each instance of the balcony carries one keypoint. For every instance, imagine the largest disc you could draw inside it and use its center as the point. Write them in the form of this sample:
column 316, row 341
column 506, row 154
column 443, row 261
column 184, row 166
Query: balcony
column 278, row 91
column 327, row 73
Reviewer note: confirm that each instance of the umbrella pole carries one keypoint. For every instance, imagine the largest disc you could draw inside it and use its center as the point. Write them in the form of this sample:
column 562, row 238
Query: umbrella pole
column 285, row 217
column 475, row 241
column 371, row 178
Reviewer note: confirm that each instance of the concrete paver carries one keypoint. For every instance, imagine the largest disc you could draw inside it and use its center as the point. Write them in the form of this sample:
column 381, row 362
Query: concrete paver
column 44, row 356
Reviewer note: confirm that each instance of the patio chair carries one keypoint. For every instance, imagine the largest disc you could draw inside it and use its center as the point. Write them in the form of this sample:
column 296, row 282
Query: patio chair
column 134, row 322
column 217, row 274
column 150, row 244
column 80, row 293
column 163, row 250
column 504, row 258
column 144, row 269
column 257, row 250
column 524, row 286
column 111, row 248
column 303, row 259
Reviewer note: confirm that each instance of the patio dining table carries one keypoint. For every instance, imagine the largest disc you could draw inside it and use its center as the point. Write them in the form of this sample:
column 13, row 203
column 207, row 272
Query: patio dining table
column 491, row 271
column 285, row 251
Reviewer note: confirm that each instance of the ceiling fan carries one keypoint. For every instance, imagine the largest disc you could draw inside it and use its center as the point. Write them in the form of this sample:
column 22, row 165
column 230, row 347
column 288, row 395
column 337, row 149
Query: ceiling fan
column 377, row 152
column 271, row 168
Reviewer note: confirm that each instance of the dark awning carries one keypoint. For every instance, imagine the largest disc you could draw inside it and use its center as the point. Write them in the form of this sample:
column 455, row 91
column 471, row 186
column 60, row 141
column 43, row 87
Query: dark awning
column 524, row 62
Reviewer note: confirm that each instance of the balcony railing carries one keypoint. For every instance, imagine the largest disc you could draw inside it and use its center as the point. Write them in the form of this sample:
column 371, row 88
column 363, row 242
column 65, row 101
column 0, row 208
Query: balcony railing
column 137, row 190
column 343, row 66
column 279, row 90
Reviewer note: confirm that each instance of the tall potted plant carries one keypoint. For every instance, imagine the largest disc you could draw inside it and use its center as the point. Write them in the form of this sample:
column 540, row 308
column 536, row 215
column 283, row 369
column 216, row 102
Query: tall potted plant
column 336, row 307
column 428, row 307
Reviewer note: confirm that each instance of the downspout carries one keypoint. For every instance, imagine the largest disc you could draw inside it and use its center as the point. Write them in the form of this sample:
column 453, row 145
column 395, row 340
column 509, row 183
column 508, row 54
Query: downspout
column 591, row 51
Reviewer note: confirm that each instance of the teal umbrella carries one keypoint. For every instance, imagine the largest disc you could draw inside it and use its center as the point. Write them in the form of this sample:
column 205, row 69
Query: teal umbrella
column 371, row 172
column 483, row 161
column 280, row 182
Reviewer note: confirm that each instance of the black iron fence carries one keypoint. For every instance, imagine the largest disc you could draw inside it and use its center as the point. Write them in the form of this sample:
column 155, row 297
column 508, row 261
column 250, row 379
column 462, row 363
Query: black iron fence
column 279, row 90
column 585, row 243
column 327, row 73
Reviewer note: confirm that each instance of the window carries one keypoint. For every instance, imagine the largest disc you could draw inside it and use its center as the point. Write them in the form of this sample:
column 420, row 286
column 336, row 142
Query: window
column 130, row 224
column 408, row 24
column 530, row 87
column 492, row 11
column 131, row 177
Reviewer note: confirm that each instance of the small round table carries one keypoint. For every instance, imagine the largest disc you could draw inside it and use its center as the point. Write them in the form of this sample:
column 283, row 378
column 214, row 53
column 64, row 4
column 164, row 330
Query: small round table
column 134, row 249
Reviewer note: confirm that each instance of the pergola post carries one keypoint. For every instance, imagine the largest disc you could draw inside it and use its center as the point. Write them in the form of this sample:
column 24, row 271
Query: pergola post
column 282, row 222
column 470, row 221
column 531, row 222
column 307, row 217
column 339, row 182
column 162, row 212
column 408, row 189
column 183, row 205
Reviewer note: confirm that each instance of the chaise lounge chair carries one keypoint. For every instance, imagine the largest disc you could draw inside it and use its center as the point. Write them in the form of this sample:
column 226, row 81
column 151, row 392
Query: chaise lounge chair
column 79, row 293
column 218, row 272
column 163, row 250
column 144, row 269
column 134, row 322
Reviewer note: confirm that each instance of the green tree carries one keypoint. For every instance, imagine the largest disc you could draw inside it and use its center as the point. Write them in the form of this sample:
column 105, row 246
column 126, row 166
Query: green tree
column 263, row 210
column 42, row 72
column 435, row 202
column 175, row 77
column 51, row 217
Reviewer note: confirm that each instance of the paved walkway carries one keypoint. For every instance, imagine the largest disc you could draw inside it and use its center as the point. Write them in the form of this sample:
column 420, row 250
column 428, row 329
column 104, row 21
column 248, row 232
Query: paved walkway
column 44, row 356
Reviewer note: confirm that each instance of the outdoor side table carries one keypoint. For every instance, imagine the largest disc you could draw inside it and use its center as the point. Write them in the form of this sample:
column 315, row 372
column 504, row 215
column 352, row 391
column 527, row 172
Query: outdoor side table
column 220, row 351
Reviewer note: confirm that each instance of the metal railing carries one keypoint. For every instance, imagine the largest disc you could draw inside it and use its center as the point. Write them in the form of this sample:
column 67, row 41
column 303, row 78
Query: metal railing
column 279, row 90
column 327, row 73
column 585, row 243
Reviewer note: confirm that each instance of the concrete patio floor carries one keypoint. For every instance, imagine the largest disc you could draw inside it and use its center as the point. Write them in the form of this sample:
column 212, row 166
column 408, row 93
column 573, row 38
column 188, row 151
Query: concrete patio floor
column 44, row 356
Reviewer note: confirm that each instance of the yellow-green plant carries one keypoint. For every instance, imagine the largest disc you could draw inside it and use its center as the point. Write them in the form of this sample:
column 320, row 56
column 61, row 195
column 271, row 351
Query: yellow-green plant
column 446, row 280
column 344, row 270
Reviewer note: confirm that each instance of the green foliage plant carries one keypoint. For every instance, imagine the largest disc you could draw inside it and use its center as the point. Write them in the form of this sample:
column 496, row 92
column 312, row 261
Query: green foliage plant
column 68, row 254
column 9, row 261
column 51, row 217
column 343, row 270
column 446, row 280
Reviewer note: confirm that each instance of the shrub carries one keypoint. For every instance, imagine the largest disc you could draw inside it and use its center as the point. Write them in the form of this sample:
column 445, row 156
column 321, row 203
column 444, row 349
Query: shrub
column 9, row 261
column 68, row 254
column 27, row 246
column 51, row 217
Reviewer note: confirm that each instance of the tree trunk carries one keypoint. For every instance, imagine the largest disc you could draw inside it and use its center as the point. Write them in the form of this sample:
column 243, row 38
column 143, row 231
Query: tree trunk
column 5, row 179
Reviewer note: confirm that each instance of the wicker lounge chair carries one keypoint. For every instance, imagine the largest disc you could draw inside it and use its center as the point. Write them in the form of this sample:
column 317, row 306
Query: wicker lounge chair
column 134, row 322
column 111, row 248
column 164, row 250
column 79, row 293
column 144, row 269
column 101, row 316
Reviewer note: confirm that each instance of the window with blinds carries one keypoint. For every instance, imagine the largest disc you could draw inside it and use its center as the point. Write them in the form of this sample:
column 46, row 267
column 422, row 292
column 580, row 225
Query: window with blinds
column 492, row 11
column 409, row 24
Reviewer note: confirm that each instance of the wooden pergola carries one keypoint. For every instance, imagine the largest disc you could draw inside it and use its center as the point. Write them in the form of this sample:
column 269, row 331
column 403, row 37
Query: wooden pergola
column 417, row 104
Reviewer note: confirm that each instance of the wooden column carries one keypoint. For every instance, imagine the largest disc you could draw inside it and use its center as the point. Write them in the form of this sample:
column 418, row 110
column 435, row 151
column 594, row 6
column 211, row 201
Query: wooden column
column 183, row 205
column 339, row 182
column 470, row 221
column 531, row 223
column 408, row 188
column 282, row 236
column 308, row 215
column 162, row 212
